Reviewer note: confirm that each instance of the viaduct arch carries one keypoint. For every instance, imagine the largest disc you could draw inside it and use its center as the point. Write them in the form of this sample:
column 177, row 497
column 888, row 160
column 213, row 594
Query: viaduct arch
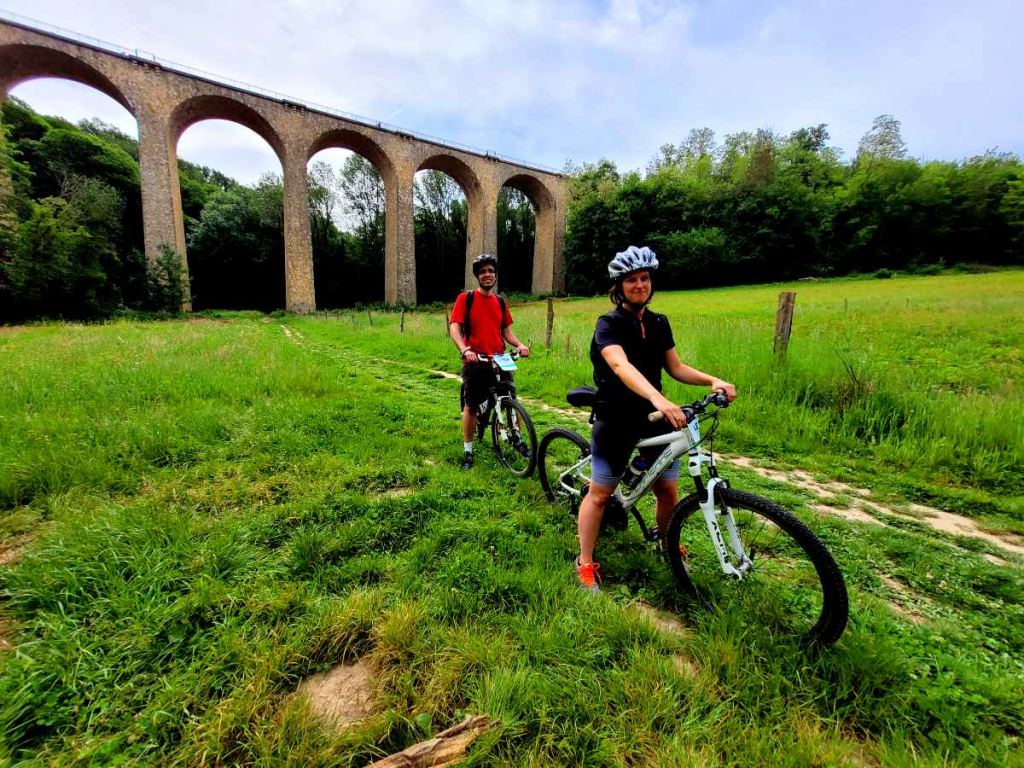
column 165, row 100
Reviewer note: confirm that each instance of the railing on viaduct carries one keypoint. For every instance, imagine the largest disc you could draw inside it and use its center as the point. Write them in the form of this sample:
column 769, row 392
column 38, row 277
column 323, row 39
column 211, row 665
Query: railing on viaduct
column 166, row 98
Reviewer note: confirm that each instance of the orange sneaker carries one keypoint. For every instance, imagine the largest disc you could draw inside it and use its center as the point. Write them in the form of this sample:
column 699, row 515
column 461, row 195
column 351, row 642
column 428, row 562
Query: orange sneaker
column 590, row 579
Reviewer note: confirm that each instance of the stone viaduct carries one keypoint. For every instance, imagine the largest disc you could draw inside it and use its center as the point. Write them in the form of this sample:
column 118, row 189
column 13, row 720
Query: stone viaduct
column 166, row 99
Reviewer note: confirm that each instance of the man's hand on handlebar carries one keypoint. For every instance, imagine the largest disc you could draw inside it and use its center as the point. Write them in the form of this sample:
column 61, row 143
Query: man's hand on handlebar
column 524, row 350
column 470, row 356
column 670, row 411
column 725, row 386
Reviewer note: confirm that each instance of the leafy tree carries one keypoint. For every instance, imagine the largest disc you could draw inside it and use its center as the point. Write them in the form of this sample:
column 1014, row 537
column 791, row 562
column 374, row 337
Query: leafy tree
column 236, row 252
column 440, row 222
column 56, row 267
column 883, row 142
column 517, row 229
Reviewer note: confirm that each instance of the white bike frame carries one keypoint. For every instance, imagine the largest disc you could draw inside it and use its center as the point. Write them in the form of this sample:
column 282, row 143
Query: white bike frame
column 735, row 563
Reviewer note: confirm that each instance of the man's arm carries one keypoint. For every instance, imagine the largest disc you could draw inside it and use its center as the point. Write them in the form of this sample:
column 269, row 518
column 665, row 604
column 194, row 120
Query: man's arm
column 687, row 375
column 455, row 332
column 510, row 337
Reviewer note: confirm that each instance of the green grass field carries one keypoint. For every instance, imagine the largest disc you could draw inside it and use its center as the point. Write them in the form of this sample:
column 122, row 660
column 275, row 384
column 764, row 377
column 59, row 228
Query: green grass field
column 212, row 509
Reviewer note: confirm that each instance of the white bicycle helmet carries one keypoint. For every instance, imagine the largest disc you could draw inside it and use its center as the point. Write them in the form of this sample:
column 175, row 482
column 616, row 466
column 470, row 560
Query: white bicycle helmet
column 630, row 260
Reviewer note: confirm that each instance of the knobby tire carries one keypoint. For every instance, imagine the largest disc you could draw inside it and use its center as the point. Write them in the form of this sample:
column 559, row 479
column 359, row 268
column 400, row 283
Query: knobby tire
column 525, row 432
column 699, row 569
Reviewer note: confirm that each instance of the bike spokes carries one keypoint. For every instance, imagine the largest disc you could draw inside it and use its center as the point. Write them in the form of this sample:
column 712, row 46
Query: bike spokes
column 515, row 441
column 786, row 578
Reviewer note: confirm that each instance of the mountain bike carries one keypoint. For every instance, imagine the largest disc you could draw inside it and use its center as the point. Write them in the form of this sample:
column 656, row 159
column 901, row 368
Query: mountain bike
column 779, row 567
column 512, row 432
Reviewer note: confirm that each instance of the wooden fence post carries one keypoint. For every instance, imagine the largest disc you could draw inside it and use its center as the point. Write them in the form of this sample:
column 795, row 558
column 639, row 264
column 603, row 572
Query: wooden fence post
column 551, row 321
column 784, row 322
column 401, row 327
column 369, row 317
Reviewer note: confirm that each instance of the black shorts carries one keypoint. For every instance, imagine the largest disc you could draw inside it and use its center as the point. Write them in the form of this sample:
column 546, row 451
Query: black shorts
column 477, row 380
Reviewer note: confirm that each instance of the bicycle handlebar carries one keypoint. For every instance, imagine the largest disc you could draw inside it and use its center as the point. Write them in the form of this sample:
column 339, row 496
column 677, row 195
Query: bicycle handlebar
column 717, row 398
column 514, row 354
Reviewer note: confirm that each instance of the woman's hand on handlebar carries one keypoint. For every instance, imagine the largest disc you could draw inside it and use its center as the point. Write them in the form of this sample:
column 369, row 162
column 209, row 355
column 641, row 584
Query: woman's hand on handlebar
column 669, row 410
column 725, row 386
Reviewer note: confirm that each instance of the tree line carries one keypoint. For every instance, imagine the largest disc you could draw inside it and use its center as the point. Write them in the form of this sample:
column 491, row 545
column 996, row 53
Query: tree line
column 755, row 207
column 761, row 207
column 71, row 239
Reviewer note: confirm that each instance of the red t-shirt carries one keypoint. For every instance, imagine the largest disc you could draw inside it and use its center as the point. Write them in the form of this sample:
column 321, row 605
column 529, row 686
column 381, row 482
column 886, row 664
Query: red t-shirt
column 485, row 323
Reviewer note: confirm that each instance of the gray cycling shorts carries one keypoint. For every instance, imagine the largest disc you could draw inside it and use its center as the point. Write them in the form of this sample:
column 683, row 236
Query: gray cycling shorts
column 611, row 445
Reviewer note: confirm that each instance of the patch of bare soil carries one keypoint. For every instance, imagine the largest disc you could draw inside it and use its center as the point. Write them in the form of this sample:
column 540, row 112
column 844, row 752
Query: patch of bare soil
column 685, row 667
column 12, row 549
column 6, row 632
column 938, row 519
column 207, row 321
column 10, row 330
column 341, row 697
column 663, row 620
column 905, row 592
column 446, row 375
column 847, row 513
column 799, row 478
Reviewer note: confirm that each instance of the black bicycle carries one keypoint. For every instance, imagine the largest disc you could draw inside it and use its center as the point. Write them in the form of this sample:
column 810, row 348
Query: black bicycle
column 512, row 432
column 783, row 572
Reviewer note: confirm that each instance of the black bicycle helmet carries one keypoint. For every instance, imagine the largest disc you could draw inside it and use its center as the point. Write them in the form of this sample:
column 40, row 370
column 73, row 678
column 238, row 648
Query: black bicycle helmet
column 484, row 258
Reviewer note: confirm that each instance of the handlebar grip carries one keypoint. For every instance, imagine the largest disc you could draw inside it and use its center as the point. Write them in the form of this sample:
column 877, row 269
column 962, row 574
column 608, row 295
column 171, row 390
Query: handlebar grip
column 658, row 415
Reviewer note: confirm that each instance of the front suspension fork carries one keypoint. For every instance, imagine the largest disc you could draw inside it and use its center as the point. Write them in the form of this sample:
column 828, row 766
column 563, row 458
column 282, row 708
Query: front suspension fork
column 713, row 518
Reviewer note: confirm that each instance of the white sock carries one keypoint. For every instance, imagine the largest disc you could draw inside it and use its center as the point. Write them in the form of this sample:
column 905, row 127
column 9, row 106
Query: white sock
column 468, row 447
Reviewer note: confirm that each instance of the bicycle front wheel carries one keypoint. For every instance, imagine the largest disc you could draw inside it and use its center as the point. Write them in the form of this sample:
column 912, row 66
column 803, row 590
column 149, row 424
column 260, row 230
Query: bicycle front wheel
column 562, row 462
column 793, row 582
column 515, row 441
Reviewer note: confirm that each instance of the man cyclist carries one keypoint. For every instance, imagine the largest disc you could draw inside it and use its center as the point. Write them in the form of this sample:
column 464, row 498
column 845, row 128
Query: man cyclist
column 482, row 329
column 630, row 348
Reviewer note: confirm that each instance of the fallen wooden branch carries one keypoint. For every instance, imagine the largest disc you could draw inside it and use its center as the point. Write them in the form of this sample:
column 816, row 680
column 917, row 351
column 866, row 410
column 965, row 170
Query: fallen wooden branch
column 447, row 748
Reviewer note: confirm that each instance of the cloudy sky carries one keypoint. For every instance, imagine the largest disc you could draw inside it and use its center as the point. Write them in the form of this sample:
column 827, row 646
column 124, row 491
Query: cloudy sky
column 581, row 79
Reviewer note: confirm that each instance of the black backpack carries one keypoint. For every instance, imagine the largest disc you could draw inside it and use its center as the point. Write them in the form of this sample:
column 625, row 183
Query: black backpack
column 469, row 305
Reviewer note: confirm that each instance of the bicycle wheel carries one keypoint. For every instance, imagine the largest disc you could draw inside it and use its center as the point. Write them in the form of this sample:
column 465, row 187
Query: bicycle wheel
column 560, row 450
column 515, row 441
column 793, row 582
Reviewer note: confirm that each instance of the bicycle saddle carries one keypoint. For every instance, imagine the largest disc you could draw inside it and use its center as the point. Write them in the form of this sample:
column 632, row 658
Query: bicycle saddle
column 582, row 397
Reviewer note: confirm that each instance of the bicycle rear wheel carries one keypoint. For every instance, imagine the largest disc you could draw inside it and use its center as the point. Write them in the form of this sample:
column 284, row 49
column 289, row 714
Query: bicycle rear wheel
column 794, row 583
column 515, row 440
column 560, row 450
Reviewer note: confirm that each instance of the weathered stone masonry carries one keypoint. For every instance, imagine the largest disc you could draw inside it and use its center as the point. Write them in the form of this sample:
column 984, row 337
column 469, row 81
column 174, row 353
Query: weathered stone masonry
column 165, row 103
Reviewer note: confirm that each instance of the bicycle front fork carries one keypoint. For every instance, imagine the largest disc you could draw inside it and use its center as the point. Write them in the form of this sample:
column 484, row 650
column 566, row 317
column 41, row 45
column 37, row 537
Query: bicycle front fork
column 714, row 513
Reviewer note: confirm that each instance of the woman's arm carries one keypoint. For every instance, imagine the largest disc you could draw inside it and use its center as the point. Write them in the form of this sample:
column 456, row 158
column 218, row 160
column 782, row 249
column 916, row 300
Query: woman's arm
column 687, row 375
column 616, row 358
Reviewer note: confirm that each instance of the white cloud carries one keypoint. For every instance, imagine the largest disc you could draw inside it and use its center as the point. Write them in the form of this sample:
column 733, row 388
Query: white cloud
column 586, row 79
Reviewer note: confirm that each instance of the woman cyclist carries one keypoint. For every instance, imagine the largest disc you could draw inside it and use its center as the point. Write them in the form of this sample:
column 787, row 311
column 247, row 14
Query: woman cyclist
column 630, row 347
